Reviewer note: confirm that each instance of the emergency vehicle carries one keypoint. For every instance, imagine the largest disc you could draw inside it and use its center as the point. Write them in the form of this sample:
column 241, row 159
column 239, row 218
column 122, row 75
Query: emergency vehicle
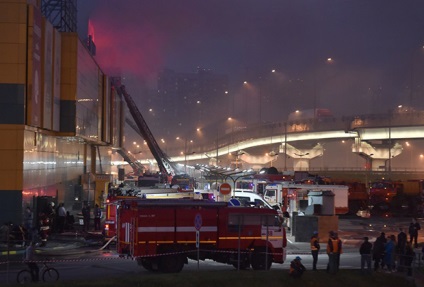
column 113, row 202
column 294, row 197
column 163, row 234
column 398, row 196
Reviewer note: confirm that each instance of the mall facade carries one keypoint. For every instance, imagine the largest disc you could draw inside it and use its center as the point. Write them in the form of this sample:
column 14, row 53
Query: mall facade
column 59, row 117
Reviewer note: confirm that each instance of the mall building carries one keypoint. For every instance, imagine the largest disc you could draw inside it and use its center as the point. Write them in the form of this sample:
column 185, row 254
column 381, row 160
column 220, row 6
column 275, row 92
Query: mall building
column 59, row 118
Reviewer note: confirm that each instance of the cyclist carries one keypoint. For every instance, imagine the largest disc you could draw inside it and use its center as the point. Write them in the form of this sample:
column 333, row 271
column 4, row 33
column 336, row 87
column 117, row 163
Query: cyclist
column 29, row 258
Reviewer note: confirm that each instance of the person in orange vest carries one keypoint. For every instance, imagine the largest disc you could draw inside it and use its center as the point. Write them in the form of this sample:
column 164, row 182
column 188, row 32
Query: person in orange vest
column 315, row 247
column 334, row 249
column 297, row 268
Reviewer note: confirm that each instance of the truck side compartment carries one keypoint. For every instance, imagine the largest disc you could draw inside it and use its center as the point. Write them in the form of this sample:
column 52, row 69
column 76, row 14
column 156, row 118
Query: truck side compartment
column 163, row 234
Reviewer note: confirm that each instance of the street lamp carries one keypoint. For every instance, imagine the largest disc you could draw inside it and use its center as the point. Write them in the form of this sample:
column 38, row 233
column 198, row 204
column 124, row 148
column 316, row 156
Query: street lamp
column 410, row 153
column 185, row 152
column 411, row 91
column 329, row 60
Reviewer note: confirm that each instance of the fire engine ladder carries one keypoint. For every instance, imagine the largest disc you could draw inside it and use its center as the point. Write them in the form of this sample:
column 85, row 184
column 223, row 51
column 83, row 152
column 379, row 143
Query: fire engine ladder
column 132, row 161
column 164, row 164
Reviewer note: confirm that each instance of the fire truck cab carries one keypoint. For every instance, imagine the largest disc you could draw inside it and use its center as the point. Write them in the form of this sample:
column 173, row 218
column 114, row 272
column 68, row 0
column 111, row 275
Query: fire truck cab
column 163, row 234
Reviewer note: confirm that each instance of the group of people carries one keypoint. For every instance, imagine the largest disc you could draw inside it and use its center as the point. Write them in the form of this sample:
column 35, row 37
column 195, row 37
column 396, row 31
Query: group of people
column 390, row 253
column 395, row 253
column 63, row 221
column 334, row 250
column 86, row 214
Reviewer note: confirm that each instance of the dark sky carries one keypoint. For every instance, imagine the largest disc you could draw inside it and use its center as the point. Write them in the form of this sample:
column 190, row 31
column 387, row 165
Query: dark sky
column 376, row 47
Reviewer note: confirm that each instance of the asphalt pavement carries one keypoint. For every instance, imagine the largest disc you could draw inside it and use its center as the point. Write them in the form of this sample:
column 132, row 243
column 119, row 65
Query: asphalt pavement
column 352, row 230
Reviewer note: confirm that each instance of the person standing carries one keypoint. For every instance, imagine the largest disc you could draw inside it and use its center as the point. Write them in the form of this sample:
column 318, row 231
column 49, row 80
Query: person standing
column 97, row 217
column 315, row 247
column 334, row 248
column 413, row 232
column 70, row 220
column 365, row 251
column 28, row 223
column 28, row 218
column 409, row 258
column 61, row 215
column 339, row 250
column 378, row 251
column 389, row 250
column 30, row 260
column 400, row 248
column 86, row 216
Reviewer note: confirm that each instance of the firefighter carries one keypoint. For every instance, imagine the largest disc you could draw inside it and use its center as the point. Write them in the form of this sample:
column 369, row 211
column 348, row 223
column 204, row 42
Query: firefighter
column 296, row 268
column 315, row 247
column 97, row 217
column 334, row 249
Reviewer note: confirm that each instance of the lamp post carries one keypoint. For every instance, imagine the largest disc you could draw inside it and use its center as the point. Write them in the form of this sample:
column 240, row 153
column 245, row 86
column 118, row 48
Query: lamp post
column 285, row 146
column 329, row 60
column 185, row 151
column 411, row 89
column 185, row 156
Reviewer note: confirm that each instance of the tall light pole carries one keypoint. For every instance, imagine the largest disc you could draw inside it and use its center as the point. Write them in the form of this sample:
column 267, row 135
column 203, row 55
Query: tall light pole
column 285, row 146
column 262, row 80
column 411, row 89
column 329, row 60
column 185, row 152
column 185, row 156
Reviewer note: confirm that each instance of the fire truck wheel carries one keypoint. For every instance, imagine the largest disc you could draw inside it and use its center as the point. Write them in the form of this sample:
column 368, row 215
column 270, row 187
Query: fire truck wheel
column 147, row 264
column 171, row 263
column 244, row 264
column 261, row 260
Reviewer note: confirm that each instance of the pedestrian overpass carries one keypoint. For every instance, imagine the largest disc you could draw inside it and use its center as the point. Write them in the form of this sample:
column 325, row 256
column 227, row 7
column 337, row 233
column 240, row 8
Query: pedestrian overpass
column 376, row 138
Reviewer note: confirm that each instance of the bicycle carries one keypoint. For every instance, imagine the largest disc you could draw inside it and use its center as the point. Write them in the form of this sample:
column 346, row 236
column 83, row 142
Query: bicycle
column 48, row 274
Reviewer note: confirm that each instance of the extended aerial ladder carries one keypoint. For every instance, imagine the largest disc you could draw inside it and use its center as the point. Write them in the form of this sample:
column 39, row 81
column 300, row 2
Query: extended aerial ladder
column 132, row 161
column 166, row 167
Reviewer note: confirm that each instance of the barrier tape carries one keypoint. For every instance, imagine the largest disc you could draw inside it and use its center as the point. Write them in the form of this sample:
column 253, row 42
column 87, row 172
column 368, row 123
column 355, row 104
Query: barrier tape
column 127, row 257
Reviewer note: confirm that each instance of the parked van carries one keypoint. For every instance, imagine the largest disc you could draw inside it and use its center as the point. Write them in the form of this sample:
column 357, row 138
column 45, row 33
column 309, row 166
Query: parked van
column 253, row 199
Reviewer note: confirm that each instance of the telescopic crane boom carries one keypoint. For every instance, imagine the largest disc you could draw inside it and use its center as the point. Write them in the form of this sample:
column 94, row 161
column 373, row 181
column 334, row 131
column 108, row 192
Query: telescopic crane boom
column 166, row 167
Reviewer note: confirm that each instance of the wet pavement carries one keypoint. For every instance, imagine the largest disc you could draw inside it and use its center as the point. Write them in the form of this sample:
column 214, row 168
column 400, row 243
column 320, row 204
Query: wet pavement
column 351, row 230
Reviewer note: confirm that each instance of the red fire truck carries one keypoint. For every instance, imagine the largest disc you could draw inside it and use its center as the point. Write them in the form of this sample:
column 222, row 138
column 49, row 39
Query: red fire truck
column 113, row 202
column 163, row 234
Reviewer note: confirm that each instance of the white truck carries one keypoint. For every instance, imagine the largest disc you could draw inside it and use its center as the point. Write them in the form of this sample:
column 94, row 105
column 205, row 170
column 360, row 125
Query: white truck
column 295, row 197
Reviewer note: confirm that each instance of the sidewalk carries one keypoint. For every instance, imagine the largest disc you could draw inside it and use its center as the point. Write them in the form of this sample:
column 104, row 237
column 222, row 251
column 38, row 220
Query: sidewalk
column 57, row 243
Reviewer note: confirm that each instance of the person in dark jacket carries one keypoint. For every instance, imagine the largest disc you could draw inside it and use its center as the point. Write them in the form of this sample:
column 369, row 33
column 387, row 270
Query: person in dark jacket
column 413, row 232
column 97, row 217
column 315, row 247
column 409, row 258
column 400, row 248
column 86, row 216
column 296, row 268
column 378, row 251
column 366, row 250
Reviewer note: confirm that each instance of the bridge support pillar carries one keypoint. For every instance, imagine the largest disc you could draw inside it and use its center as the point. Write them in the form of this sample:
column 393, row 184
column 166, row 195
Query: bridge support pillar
column 301, row 157
column 377, row 155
